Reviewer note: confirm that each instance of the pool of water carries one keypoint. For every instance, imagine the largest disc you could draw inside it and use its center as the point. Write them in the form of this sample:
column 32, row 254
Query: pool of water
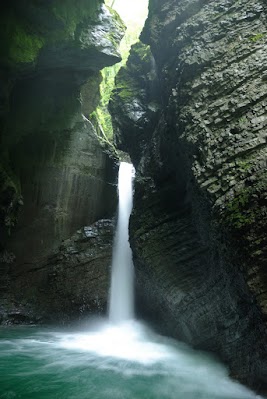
column 107, row 361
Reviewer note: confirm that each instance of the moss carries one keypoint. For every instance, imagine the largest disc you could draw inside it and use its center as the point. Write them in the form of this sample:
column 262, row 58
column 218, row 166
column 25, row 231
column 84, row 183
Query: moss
column 142, row 51
column 138, row 65
column 243, row 120
column 117, row 18
column 104, row 120
column 139, row 61
column 19, row 44
column 126, row 86
column 126, row 93
column 257, row 37
column 70, row 13
column 237, row 212
column 244, row 165
column 249, row 206
column 22, row 37
column 25, row 47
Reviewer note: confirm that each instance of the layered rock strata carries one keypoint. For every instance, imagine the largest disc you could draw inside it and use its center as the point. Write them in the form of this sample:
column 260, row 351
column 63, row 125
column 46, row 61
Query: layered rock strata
column 72, row 283
column 54, row 175
column 199, row 220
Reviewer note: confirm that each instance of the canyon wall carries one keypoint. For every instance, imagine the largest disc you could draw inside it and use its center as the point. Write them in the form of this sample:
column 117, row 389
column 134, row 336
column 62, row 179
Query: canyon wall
column 54, row 176
column 191, row 111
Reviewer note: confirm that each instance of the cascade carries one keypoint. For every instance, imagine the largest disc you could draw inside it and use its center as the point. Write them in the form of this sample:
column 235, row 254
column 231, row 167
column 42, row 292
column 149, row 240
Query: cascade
column 121, row 307
column 119, row 358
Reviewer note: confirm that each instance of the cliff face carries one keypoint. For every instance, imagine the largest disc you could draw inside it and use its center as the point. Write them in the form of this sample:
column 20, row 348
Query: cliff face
column 65, row 286
column 199, row 220
column 54, row 175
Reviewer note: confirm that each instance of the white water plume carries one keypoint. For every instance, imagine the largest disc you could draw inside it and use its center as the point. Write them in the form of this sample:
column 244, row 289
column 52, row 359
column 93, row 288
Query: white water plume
column 124, row 360
column 119, row 358
column 121, row 305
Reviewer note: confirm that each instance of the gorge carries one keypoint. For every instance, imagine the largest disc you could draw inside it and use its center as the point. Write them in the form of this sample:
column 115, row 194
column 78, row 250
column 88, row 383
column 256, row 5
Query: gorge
column 111, row 358
column 190, row 109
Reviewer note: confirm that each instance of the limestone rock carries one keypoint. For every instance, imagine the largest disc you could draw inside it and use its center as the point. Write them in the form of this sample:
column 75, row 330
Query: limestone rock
column 74, row 185
column 48, row 52
column 90, row 94
column 199, row 220
column 71, row 284
column 134, row 102
column 94, row 44
column 55, row 177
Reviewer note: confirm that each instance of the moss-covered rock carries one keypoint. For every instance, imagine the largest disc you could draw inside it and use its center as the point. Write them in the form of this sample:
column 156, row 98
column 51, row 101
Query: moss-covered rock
column 54, row 175
column 134, row 101
column 94, row 44
column 48, row 51
column 197, row 230
column 27, row 27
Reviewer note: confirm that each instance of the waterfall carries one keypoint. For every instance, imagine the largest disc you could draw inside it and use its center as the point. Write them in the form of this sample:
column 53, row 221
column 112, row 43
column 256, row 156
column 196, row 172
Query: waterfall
column 110, row 360
column 121, row 306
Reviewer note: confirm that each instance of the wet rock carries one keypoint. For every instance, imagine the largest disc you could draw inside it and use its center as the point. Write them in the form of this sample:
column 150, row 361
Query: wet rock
column 55, row 176
column 47, row 55
column 69, row 285
column 198, row 227
column 94, row 45
column 134, row 101
column 74, row 184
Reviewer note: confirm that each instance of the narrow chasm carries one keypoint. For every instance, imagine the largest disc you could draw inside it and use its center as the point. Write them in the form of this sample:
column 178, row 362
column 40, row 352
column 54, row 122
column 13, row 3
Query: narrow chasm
column 133, row 202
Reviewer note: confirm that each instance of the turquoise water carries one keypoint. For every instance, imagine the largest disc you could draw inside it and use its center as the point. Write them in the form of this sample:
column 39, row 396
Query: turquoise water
column 102, row 361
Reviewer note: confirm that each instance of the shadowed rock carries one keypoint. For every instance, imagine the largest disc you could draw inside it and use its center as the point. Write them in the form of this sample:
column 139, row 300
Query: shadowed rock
column 199, row 220
column 71, row 284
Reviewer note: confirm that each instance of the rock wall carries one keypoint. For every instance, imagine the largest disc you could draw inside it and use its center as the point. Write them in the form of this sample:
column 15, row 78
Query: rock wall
column 68, row 285
column 54, row 177
column 199, row 220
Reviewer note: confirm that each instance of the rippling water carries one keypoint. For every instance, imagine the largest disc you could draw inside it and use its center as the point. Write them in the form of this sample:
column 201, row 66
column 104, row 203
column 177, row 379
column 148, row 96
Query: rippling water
column 126, row 361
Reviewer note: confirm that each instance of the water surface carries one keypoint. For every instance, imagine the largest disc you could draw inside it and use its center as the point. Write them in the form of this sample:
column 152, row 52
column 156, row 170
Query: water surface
column 103, row 360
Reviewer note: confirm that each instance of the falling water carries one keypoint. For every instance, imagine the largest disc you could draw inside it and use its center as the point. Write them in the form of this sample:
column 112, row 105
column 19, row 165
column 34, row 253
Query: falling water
column 121, row 297
column 119, row 358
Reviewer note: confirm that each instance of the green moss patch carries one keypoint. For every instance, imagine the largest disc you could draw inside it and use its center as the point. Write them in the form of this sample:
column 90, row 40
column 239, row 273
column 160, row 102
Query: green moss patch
column 19, row 44
column 248, row 207
column 70, row 13
column 138, row 66
column 23, row 35
column 257, row 37
column 238, row 214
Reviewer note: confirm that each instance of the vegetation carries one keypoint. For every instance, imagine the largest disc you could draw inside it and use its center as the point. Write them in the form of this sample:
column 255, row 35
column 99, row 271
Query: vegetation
column 238, row 213
column 243, row 210
column 106, row 87
column 22, row 38
column 70, row 12
column 257, row 37
column 134, row 27
column 18, row 44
